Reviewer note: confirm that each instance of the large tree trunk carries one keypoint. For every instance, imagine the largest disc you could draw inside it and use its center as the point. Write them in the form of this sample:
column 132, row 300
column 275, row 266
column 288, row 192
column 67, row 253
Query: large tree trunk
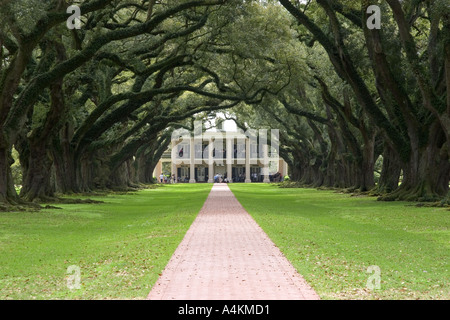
column 65, row 172
column 83, row 169
column 330, row 171
column 148, row 158
column 149, row 168
column 344, row 177
column 8, row 194
column 4, row 173
column 367, row 181
column 426, row 177
column 141, row 169
column 36, row 154
column 146, row 166
column 298, row 168
column 36, row 174
column 390, row 171
column 120, row 178
column 317, row 174
column 296, row 171
column 8, row 87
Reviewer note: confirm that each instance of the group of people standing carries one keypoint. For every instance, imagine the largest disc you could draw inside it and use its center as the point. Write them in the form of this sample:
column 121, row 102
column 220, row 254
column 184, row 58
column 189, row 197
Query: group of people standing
column 218, row 178
column 167, row 179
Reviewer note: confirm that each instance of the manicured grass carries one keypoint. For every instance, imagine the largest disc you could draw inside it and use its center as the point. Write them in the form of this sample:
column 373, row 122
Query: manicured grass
column 333, row 238
column 120, row 246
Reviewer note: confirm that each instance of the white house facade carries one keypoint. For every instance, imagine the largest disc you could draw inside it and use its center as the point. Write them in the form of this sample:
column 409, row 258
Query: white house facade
column 221, row 157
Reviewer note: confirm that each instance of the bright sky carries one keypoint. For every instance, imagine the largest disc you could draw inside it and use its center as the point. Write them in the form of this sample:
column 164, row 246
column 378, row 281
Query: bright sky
column 229, row 125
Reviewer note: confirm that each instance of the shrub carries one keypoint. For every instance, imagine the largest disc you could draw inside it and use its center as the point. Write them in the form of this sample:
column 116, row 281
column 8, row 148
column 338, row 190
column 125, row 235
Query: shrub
column 290, row 184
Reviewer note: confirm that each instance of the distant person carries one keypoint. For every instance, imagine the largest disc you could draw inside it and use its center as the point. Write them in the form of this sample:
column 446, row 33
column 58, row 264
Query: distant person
column 161, row 178
column 277, row 177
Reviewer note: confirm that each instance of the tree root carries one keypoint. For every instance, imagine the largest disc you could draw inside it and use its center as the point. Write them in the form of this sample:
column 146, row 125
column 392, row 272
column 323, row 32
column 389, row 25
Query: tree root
column 444, row 203
column 291, row 184
column 421, row 195
column 28, row 207
column 22, row 205
column 418, row 194
column 77, row 201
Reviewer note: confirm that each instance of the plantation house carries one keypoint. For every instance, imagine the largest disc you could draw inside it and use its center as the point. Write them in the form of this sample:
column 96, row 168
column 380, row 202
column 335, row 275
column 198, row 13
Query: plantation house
column 226, row 156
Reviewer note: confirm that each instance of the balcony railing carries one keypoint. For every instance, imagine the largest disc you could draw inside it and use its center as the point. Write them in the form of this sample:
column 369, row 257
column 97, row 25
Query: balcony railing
column 183, row 152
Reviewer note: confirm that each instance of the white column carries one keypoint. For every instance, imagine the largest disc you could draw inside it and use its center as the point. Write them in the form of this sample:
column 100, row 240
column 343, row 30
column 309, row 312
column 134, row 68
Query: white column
column 266, row 163
column 192, row 161
column 229, row 159
column 285, row 168
column 210, row 162
column 173, row 158
column 247, row 161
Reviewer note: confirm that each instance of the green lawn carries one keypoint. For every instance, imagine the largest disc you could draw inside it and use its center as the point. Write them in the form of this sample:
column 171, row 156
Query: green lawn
column 123, row 244
column 333, row 238
column 119, row 246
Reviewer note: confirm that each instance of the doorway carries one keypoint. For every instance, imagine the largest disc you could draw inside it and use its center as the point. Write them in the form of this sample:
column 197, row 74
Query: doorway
column 201, row 174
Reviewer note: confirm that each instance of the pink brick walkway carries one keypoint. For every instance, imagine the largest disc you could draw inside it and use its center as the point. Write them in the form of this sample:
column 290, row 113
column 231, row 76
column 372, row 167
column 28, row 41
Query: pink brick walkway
column 225, row 255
